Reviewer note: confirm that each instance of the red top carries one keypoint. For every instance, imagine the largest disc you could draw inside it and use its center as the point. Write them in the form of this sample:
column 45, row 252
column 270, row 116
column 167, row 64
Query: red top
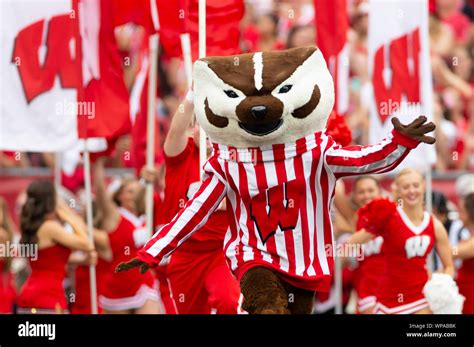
column 44, row 287
column 465, row 282
column 406, row 248
column 7, row 290
column 371, row 267
column 466, row 273
column 182, row 181
column 124, row 242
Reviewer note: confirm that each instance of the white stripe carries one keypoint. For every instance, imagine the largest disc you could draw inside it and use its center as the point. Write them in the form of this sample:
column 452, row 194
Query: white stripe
column 290, row 152
column 320, row 211
column 242, row 223
column 184, row 219
column 252, row 182
column 331, row 189
column 129, row 216
column 231, row 247
column 307, row 159
column 409, row 224
column 367, row 299
column 258, row 66
column 366, row 306
column 340, row 152
column 280, row 242
column 404, row 309
column 143, row 294
column 379, row 165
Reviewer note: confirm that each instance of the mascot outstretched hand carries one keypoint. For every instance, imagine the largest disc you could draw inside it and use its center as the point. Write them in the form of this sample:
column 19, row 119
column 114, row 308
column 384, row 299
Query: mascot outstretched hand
column 265, row 114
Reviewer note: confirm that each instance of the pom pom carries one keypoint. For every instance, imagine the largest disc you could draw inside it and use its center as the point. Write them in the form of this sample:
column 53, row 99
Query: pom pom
column 338, row 129
column 442, row 295
column 373, row 217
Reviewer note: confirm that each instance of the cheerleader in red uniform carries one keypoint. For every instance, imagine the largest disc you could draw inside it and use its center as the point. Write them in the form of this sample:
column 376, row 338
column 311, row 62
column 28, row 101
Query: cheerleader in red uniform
column 7, row 289
column 465, row 251
column 371, row 265
column 409, row 234
column 82, row 302
column 129, row 292
column 51, row 229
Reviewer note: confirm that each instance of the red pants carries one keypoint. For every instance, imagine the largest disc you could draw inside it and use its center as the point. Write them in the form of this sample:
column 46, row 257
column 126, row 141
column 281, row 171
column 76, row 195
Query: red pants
column 201, row 283
column 165, row 290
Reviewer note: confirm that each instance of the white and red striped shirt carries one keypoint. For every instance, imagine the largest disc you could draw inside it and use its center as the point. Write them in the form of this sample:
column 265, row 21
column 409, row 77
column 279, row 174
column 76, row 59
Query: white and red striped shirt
column 278, row 203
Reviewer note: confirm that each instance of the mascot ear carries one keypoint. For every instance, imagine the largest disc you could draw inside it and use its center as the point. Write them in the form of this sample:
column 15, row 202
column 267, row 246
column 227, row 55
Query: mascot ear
column 201, row 71
column 302, row 53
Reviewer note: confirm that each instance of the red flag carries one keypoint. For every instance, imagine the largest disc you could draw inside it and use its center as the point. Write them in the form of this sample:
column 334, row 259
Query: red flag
column 171, row 15
column 222, row 26
column 139, row 100
column 103, row 98
column 332, row 25
column 139, row 12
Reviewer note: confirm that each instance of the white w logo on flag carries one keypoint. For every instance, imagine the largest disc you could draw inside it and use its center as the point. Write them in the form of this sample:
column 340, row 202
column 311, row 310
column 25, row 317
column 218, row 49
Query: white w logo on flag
column 416, row 246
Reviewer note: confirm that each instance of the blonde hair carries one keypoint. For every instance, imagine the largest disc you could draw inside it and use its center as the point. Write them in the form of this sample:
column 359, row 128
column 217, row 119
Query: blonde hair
column 125, row 181
column 404, row 172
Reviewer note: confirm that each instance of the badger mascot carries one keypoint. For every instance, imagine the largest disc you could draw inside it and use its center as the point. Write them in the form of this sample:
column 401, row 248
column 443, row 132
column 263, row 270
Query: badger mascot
column 265, row 114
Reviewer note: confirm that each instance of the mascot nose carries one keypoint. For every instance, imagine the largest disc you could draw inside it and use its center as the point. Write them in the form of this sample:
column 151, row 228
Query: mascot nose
column 258, row 112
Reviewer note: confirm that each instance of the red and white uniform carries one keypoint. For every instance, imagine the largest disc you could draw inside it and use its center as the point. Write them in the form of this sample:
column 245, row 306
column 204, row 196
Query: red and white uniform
column 465, row 281
column 278, row 204
column 43, row 291
column 369, row 272
column 129, row 289
column 200, row 279
column 7, row 290
column 406, row 248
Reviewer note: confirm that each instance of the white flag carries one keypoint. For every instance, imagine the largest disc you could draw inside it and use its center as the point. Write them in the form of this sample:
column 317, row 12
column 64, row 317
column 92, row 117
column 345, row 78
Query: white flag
column 400, row 71
column 38, row 78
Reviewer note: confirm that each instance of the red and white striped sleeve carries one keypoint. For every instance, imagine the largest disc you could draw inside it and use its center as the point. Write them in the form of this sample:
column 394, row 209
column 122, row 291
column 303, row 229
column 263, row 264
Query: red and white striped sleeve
column 189, row 219
column 379, row 158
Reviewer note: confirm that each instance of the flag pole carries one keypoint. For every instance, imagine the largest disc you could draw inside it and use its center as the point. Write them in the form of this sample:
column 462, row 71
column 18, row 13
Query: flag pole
column 187, row 59
column 150, row 148
column 337, row 282
column 57, row 170
column 202, row 53
column 90, row 227
column 429, row 209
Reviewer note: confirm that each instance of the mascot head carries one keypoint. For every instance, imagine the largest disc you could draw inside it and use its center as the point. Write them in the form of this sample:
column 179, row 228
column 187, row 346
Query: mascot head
column 257, row 99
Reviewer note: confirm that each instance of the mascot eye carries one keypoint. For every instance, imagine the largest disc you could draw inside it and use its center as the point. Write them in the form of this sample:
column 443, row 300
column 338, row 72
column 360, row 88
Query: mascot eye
column 285, row 89
column 231, row 94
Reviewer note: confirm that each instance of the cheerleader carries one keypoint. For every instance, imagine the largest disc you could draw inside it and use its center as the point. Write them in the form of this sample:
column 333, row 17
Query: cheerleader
column 51, row 231
column 7, row 289
column 82, row 300
column 371, row 265
column 409, row 234
column 128, row 292
column 465, row 251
